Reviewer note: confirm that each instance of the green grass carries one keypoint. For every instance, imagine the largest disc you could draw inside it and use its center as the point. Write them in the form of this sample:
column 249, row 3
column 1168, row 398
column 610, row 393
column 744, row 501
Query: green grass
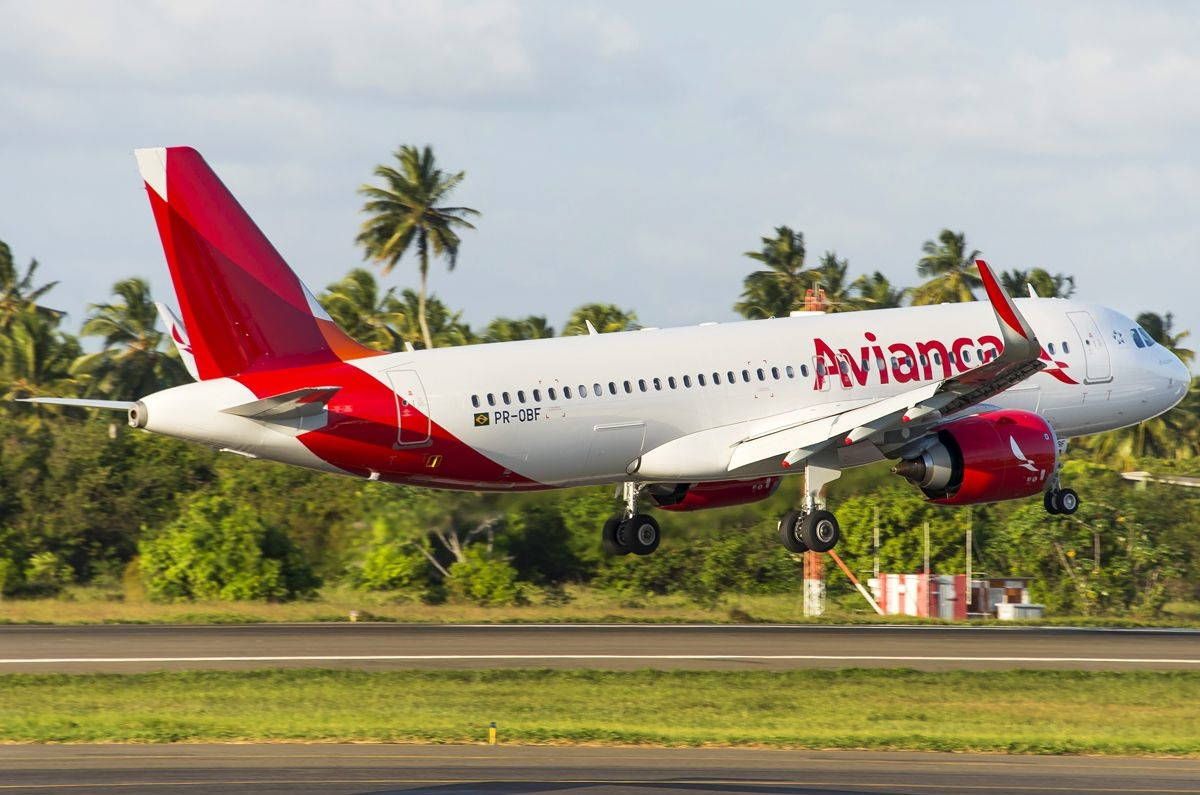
column 1011, row 711
column 91, row 605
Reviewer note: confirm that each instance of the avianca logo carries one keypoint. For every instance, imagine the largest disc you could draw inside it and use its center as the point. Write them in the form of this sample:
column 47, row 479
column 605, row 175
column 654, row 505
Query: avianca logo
column 180, row 341
column 902, row 363
column 1020, row 455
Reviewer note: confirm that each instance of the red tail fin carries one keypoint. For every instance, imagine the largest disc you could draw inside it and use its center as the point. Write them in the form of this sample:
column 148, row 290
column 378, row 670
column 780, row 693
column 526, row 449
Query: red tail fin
column 243, row 307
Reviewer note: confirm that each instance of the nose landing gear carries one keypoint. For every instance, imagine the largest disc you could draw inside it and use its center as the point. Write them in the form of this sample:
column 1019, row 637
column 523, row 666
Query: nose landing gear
column 631, row 531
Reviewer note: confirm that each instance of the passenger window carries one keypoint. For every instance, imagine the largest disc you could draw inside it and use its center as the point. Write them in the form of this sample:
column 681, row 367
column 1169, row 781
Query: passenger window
column 952, row 358
column 657, row 384
column 504, row 396
column 924, row 361
column 520, row 396
column 804, row 370
column 716, row 379
column 775, row 373
column 821, row 367
column 895, row 363
column 966, row 354
column 475, row 401
column 732, row 378
column 790, row 372
column 937, row 357
column 567, row 392
column 1050, row 348
column 537, row 396
column 671, row 381
column 628, row 388
column 1066, row 348
column 687, row 381
column 700, row 380
column 597, row 391
column 491, row 399
column 746, row 376
column 642, row 384
column 880, row 364
column 551, row 393
column 842, row 367
column 612, row 388
column 761, row 375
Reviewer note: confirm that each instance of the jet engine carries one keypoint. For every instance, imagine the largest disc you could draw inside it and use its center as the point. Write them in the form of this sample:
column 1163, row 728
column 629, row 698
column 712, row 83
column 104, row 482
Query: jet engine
column 988, row 457
column 696, row 497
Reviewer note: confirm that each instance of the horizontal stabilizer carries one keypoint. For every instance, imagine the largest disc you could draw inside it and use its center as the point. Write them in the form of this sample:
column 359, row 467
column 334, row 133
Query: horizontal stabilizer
column 112, row 405
column 287, row 406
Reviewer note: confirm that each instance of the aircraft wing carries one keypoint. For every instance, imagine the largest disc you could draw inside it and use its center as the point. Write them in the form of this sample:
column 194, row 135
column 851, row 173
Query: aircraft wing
column 304, row 402
column 918, row 407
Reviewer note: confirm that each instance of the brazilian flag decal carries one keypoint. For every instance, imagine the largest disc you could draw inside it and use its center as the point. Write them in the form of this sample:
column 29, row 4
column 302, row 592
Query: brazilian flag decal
column 482, row 419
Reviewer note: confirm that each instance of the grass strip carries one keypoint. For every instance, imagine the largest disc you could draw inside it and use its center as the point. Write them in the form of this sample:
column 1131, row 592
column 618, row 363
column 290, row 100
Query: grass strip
column 1045, row 712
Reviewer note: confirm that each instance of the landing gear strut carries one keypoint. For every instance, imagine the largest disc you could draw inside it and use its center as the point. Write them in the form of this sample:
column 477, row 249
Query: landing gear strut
column 813, row 529
column 631, row 531
column 1060, row 501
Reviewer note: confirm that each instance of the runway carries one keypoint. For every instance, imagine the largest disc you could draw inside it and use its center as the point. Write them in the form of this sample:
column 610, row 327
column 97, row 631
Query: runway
column 293, row 768
column 378, row 646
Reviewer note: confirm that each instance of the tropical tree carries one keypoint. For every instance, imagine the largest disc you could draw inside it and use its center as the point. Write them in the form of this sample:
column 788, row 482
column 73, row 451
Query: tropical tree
column 407, row 210
column 35, row 359
column 507, row 329
column 446, row 328
column 949, row 268
column 830, row 278
column 780, row 288
column 357, row 306
column 1045, row 284
column 133, row 362
column 604, row 317
column 876, row 292
column 17, row 291
column 1161, row 328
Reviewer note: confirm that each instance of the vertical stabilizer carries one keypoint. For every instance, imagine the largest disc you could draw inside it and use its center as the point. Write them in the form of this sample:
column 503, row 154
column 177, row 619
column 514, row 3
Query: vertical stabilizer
column 243, row 307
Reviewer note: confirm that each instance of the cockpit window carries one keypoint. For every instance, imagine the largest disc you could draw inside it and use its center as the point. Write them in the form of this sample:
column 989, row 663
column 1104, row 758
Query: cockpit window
column 1141, row 338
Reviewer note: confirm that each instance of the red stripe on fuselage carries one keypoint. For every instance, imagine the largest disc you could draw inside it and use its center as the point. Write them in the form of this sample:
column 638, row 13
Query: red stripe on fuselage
column 362, row 430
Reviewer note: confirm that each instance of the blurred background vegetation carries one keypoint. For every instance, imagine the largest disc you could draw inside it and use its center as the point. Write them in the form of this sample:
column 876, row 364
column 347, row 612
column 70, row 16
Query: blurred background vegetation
column 85, row 500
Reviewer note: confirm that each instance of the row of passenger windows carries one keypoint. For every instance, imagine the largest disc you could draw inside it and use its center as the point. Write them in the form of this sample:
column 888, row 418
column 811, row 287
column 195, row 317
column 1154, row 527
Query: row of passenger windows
column 640, row 385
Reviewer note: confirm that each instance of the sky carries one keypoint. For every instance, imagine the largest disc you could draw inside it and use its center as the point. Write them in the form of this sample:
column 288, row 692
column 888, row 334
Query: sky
column 626, row 152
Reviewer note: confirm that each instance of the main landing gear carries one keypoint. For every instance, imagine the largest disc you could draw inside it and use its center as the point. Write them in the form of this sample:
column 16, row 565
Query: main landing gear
column 1060, row 501
column 813, row 529
column 631, row 531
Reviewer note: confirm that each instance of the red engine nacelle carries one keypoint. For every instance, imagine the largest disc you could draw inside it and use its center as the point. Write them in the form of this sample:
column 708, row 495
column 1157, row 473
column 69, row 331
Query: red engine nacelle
column 997, row 455
column 721, row 494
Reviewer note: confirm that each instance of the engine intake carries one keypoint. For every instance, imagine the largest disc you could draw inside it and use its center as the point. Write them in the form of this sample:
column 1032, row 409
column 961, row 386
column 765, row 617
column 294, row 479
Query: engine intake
column 989, row 457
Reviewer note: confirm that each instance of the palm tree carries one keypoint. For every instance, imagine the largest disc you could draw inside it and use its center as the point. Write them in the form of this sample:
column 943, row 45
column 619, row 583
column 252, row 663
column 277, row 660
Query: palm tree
column 445, row 328
column 17, row 292
column 35, row 359
column 605, row 318
column 1160, row 328
column 505, row 329
column 407, row 210
column 781, row 288
column 950, row 269
column 355, row 304
column 1045, row 284
column 133, row 362
column 830, row 277
column 876, row 292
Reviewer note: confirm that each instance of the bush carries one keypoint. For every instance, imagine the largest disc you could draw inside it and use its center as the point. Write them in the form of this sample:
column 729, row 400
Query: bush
column 391, row 564
column 483, row 579
column 221, row 550
column 47, row 573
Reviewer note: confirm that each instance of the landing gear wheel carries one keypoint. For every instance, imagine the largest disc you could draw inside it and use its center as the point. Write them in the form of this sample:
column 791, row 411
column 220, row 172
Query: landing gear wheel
column 640, row 534
column 610, row 537
column 1068, row 501
column 1050, row 501
column 820, row 531
column 789, row 532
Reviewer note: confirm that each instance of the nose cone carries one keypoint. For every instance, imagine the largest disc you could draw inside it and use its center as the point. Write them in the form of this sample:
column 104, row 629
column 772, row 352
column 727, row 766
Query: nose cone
column 1179, row 378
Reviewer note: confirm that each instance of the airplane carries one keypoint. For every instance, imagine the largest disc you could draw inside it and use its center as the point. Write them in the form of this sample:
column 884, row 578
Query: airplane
column 974, row 401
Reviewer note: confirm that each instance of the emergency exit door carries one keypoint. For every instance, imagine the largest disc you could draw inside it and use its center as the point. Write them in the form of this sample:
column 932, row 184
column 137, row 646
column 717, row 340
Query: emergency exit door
column 412, row 407
column 1097, row 367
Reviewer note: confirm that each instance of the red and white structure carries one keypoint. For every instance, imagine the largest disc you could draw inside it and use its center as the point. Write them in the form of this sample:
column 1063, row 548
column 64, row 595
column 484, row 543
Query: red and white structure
column 970, row 401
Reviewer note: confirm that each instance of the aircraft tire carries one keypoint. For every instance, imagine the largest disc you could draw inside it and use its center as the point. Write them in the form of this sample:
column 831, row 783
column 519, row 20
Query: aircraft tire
column 789, row 532
column 609, row 537
column 641, row 534
column 820, row 531
column 1068, row 501
column 1050, row 501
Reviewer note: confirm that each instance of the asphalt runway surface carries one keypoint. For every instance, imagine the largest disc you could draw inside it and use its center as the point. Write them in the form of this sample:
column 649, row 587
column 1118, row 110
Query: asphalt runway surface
column 380, row 646
column 369, row 768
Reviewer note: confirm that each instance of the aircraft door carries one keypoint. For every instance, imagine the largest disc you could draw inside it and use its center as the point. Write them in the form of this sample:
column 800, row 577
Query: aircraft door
column 1097, row 366
column 412, row 407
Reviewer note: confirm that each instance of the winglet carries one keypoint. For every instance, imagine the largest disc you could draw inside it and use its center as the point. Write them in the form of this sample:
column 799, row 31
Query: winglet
column 1013, row 325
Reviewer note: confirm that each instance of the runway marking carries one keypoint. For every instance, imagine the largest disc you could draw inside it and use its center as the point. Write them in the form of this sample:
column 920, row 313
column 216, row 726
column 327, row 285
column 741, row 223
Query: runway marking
column 599, row 657
column 840, row 783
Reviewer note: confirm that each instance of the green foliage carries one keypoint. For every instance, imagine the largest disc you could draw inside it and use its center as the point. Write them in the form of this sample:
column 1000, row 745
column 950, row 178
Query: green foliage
column 484, row 579
column 47, row 573
column 221, row 550
column 605, row 318
column 950, row 269
column 392, row 566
